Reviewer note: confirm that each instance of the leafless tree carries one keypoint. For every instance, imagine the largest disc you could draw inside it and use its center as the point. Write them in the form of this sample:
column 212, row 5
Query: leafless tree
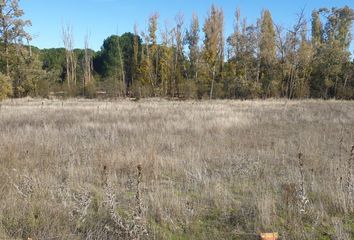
column 87, row 64
column 68, row 40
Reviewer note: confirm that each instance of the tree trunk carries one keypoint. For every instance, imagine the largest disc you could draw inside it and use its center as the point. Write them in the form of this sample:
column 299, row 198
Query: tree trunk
column 212, row 84
column 335, row 86
column 68, row 69
column 29, row 48
column 196, row 70
column 74, row 68
column 7, row 59
column 345, row 81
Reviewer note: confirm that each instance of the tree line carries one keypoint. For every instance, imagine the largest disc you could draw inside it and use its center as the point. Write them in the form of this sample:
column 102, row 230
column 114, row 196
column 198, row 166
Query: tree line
column 186, row 60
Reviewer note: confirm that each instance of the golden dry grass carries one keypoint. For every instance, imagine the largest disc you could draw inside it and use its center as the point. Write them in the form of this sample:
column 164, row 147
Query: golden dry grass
column 211, row 170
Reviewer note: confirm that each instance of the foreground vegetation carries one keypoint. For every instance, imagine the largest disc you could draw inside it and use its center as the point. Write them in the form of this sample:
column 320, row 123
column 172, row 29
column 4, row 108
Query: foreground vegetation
column 156, row 169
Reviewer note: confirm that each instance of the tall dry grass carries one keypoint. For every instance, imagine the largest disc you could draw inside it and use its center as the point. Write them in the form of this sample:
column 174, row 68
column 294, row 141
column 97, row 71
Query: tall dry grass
column 208, row 170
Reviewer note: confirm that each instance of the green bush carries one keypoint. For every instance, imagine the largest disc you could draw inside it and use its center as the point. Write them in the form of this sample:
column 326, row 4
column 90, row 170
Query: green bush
column 189, row 89
column 90, row 89
column 5, row 87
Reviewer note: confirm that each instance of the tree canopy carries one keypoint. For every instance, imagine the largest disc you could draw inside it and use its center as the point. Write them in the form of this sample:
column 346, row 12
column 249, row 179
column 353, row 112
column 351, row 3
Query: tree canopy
column 193, row 60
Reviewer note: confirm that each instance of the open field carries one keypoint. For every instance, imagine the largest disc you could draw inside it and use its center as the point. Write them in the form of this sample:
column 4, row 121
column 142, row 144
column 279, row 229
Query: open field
column 209, row 170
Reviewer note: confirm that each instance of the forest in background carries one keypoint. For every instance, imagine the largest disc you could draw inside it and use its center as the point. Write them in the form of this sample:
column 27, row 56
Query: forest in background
column 190, row 60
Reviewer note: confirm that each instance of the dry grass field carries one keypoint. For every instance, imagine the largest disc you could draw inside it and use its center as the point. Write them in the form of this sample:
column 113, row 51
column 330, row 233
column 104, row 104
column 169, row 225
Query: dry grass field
column 207, row 169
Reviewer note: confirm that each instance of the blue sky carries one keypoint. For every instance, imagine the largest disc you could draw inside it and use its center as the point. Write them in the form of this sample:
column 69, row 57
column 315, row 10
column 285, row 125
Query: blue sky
column 102, row 18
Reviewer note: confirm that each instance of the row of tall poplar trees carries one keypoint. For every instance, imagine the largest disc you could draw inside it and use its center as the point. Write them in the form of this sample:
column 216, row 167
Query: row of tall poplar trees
column 259, row 60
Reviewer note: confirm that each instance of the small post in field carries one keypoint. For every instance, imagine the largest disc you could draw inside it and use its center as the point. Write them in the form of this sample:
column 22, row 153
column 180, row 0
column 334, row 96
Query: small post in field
column 269, row 236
